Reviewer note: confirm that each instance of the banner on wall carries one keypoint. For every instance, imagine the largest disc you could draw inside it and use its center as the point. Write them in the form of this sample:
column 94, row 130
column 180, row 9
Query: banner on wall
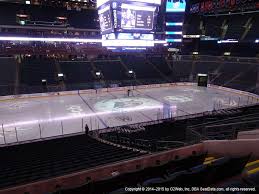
column 222, row 5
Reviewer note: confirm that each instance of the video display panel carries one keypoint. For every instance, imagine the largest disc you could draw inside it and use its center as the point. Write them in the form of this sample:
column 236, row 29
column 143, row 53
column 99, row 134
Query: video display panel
column 175, row 6
column 105, row 19
column 128, row 15
column 137, row 17
column 155, row 2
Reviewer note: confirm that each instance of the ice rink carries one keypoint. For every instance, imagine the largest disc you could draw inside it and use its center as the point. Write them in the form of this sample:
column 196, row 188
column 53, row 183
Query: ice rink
column 34, row 118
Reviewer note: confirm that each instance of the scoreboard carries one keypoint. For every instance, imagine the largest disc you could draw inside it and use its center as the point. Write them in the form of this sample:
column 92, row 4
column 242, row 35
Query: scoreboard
column 127, row 20
column 105, row 19
column 137, row 18
column 127, row 15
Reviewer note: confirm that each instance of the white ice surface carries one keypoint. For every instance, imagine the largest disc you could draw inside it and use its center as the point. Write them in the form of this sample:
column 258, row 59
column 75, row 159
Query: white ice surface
column 32, row 118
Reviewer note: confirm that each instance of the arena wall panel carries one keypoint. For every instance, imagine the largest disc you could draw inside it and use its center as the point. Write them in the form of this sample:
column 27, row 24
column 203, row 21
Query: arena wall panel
column 165, row 85
column 155, row 85
column 101, row 90
column 68, row 93
column 90, row 91
column 254, row 134
column 219, row 148
column 142, row 87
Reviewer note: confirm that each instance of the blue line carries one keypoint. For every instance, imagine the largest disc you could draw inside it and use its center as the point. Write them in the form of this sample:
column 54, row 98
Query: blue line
column 168, row 104
column 106, row 126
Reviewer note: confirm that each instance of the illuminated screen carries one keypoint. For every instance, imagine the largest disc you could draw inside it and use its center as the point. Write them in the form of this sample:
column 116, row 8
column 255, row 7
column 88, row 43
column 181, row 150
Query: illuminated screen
column 102, row 2
column 105, row 19
column 135, row 36
column 136, row 17
column 178, row 6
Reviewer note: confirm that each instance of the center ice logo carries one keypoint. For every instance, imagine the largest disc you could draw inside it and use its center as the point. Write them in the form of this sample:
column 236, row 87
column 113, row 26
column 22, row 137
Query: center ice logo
column 127, row 104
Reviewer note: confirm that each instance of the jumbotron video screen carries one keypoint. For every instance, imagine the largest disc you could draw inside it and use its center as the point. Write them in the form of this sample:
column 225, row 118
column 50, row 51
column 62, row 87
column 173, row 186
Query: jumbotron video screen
column 129, row 23
column 127, row 15
column 139, row 18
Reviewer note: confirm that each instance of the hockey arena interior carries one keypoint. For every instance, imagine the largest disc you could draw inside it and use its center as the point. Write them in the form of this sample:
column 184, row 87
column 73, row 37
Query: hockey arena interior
column 129, row 96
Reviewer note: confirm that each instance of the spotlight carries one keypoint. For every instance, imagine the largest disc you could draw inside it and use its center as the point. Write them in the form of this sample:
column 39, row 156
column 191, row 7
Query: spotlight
column 60, row 75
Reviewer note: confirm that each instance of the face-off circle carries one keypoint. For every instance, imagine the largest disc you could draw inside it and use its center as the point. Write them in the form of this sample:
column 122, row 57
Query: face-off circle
column 177, row 99
column 18, row 105
column 74, row 109
column 191, row 90
column 225, row 102
column 122, row 104
column 22, row 105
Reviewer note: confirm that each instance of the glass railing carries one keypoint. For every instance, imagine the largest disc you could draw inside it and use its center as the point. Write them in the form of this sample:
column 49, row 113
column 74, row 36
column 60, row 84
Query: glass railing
column 20, row 130
column 24, row 89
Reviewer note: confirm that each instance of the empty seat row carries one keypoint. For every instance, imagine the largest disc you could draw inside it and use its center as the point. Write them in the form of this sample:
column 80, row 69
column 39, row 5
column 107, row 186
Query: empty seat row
column 198, row 176
column 186, row 172
column 136, row 177
column 8, row 12
column 42, row 160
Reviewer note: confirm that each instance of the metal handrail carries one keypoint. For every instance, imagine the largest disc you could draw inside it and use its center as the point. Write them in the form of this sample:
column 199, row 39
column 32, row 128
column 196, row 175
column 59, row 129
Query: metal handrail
column 231, row 124
column 223, row 120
